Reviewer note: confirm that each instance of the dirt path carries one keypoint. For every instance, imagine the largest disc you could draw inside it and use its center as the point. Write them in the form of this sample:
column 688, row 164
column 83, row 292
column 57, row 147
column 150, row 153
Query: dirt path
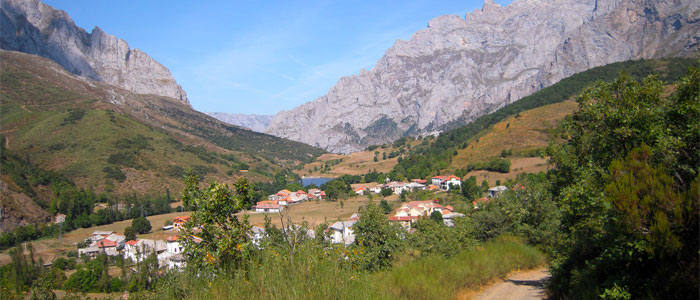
column 519, row 285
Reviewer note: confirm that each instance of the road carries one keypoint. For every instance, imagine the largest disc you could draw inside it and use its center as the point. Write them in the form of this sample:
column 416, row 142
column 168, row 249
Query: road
column 525, row 285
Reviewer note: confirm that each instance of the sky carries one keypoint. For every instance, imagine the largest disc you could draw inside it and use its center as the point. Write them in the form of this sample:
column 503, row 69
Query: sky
column 261, row 57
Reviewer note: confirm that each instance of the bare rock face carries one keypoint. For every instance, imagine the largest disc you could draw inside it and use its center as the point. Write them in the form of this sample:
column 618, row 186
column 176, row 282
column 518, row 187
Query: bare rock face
column 33, row 27
column 467, row 67
column 253, row 122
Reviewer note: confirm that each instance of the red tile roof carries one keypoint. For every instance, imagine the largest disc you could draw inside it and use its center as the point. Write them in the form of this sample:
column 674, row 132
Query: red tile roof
column 132, row 242
column 173, row 238
column 106, row 243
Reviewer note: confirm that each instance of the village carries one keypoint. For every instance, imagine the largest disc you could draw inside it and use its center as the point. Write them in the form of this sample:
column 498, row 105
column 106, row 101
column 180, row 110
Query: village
column 169, row 252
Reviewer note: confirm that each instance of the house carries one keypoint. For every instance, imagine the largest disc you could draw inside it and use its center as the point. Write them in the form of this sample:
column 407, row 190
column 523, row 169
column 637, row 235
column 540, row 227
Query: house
column 404, row 221
column 316, row 194
column 90, row 251
column 444, row 182
column 268, row 207
column 397, row 187
column 107, row 247
column 437, row 180
column 99, row 235
column 342, row 233
column 497, row 190
column 451, row 181
column 138, row 250
column 413, row 186
column 419, row 181
column 107, row 242
column 298, row 196
column 360, row 190
column 172, row 244
column 179, row 222
column 408, row 213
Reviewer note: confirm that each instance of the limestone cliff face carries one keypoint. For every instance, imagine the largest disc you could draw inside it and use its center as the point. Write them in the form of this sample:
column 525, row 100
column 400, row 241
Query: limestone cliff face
column 33, row 27
column 466, row 67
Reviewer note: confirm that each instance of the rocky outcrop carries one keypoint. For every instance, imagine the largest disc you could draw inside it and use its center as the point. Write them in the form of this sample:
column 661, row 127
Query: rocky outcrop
column 462, row 68
column 33, row 27
column 253, row 122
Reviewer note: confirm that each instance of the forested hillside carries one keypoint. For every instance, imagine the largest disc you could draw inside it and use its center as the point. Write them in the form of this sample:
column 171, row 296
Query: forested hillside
column 114, row 141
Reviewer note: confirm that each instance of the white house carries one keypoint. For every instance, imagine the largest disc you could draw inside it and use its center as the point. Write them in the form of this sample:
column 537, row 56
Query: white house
column 138, row 250
column 397, row 187
column 268, row 207
column 342, row 233
column 172, row 245
column 497, row 190
column 298, row 196
column 450, row 181
column 437, row 180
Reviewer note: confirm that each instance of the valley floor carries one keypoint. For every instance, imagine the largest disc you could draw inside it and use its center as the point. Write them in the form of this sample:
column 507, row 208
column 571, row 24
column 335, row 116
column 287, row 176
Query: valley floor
column 312, row 212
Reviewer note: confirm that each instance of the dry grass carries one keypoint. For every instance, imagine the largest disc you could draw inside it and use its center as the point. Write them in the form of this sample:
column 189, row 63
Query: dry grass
column 316, row 213
column 528, row 131
column 518, row 165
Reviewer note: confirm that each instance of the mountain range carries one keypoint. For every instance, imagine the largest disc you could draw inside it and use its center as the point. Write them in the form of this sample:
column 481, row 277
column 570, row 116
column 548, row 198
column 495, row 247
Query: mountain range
column 460, row 68
column 109, row 117
column 253, row 122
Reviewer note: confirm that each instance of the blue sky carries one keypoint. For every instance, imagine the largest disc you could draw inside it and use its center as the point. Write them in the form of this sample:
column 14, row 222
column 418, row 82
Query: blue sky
column 261, row 56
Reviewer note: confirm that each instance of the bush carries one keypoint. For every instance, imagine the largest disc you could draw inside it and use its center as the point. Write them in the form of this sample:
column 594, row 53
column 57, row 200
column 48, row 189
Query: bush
column 141, row 225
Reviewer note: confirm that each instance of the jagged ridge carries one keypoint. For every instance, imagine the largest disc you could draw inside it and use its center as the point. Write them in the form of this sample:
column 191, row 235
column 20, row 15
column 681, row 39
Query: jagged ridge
column 33, row 27
column 467, row 67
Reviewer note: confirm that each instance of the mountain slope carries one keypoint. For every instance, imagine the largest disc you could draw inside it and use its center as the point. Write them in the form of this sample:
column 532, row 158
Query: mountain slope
column 33, row 27
column 462, row 68
column 253, row 122
column 110, row 139
column 462, row 145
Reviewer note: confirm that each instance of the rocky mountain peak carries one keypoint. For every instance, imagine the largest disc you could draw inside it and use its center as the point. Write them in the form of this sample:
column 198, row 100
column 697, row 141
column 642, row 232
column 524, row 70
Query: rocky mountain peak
column 33, row 27
column 458, row 69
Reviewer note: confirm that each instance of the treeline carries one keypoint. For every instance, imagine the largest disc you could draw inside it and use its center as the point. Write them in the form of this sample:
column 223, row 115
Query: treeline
column 429, row 158
column 501, row 165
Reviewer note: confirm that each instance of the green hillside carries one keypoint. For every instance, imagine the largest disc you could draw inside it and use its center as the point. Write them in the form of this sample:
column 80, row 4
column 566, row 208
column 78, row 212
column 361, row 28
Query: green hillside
column 111, row 140
column 435, row 155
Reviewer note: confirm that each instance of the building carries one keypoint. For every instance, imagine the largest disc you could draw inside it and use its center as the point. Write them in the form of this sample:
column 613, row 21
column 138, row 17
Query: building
column 497, row 190
column 342, row 233
column 107, row 242
column 179, row 222
column 444, row 182
column 268, row 206
column 316, row 194
column 397, row 187
column 451, row 181
column 138, row 250
column 408, row 213
column 172, row 244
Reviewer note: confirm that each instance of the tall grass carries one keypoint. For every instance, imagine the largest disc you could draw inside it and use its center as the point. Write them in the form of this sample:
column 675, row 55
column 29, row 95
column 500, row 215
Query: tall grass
column 438, row 277
column 317, row 273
